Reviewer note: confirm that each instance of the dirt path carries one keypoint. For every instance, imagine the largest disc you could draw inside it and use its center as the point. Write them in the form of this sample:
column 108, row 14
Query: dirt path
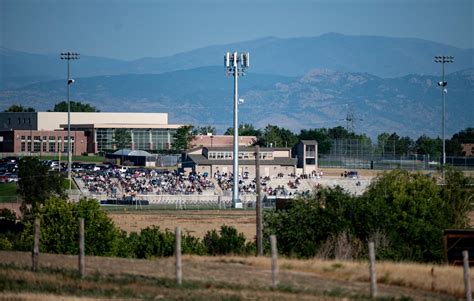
column 196, row 222
column 253, row 278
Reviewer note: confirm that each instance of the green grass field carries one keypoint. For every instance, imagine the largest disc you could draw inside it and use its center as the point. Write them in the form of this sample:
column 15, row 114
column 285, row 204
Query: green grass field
column 8, row 192
column 91, row 159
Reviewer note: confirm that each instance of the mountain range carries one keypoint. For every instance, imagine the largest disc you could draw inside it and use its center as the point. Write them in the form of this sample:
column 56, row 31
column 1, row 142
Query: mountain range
column 389, row 83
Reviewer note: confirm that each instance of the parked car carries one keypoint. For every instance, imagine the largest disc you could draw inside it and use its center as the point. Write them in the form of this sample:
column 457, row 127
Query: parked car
column 77, row 166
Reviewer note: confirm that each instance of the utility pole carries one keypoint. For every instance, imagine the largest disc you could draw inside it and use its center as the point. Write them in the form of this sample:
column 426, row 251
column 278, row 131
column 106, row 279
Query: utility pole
column 258, row 202
column 236, row 64
column 69, row 56
column 442, row 84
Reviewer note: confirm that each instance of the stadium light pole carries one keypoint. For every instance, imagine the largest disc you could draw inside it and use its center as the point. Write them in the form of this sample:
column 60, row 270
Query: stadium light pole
column 69, row 56
column 236, row 64
column 442, row 84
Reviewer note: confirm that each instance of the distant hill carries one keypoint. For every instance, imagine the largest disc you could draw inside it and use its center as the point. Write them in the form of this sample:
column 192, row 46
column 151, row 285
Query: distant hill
column 409, row 105
column 381, row 56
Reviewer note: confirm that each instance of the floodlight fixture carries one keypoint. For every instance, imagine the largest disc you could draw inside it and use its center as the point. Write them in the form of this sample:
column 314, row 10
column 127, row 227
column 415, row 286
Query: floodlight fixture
column 69, row 56
column 443, row 59
column 235, row 64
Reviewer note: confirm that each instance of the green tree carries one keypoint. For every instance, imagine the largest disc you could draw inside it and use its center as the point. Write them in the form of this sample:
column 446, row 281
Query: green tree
column 278, row 137
column 409, row 210
column 458, row 193
column 152, row 242
column 382, row 142
column 404, row 213
column 307, row 222
column 19, row 108
column 122, row 138
column 454, row 145
column 60, row 229
column 320, row 135
column 182, row 138
column 339, row 132
column 36, row 183
column 245, row 129
column 75, row 107
column 465, row 136
column 204, row 130
column 428, row 146
column 227, row 241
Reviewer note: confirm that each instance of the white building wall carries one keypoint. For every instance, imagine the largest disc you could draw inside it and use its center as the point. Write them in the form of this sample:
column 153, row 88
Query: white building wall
column 52, row 120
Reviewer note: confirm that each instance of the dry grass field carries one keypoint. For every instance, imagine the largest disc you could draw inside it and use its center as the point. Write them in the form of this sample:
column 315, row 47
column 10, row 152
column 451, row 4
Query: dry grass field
column 196, row 222
column 220, row 278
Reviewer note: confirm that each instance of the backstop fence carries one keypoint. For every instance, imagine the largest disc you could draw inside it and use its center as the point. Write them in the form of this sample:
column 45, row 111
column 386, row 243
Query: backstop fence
column 362, row 154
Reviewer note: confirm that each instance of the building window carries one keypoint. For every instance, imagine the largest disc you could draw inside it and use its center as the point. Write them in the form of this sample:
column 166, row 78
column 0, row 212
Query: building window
column 52, row 147
column 44, row 145
column 23, row 146
column 23, row 138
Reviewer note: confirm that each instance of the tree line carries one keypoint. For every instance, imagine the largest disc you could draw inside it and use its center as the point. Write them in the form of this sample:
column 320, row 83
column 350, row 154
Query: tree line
column 275, row 136
column 75, row 106
column 392, row 143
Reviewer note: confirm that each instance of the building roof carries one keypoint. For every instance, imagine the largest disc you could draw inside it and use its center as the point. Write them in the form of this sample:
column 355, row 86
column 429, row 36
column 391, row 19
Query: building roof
column 309, row 141
column 247, row 148
column 122, row 125
column 202, row 160
column 134, row 153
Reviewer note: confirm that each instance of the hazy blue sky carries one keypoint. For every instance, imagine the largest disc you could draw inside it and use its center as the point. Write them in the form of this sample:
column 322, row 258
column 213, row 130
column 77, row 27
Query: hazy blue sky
column 129, row 29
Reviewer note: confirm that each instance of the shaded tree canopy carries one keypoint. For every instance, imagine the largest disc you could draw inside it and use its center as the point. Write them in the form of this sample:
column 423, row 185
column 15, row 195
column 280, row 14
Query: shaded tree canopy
column 122, row 138
column 75, row 107
column 204, row 130
column 428, row 146
column 245, row 129
column 404, row 213
column 273, row 136
column 19, row 108
column 182, row 138
column 36, row 183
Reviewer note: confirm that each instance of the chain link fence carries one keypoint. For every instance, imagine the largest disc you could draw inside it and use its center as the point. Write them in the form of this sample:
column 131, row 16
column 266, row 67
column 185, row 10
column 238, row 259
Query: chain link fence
column 362, row 154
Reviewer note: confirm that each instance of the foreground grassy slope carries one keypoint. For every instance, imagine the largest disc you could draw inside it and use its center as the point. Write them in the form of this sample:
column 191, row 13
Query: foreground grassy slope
column 217, row 278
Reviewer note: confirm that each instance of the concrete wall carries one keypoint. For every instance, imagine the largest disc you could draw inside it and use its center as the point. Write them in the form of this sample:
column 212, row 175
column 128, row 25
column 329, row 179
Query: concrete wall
column 282, row 154
column 53, row 120
column 265, row 170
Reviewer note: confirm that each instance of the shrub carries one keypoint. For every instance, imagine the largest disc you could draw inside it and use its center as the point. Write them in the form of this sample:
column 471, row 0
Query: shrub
column 154, row 243
column 403, row 213
column 227, row 241
column 60, row 229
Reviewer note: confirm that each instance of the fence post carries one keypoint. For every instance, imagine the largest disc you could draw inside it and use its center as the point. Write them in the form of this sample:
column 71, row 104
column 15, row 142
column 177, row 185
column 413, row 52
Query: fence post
column 273, row 243
column 36, row 241
column 82, row 261
column 258, row 202
column 467, row 280
column 373, row 275
column 179, row 266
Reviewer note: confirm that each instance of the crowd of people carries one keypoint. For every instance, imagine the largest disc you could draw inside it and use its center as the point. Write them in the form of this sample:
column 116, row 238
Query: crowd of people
column 143, row 181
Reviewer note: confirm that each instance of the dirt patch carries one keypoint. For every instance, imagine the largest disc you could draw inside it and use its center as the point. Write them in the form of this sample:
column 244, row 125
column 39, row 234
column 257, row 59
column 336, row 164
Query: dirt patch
column 195, row 222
